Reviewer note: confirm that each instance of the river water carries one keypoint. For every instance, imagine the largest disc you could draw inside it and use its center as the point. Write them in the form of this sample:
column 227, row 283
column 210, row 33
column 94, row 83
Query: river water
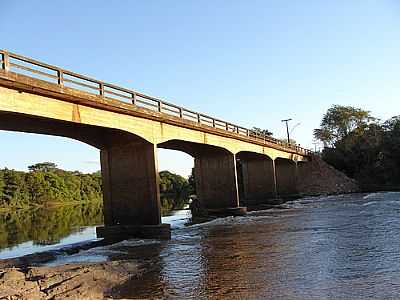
column 335, row 247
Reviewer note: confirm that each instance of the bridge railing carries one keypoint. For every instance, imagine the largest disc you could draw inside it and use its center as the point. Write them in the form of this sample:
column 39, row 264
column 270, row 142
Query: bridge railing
column 11, row 62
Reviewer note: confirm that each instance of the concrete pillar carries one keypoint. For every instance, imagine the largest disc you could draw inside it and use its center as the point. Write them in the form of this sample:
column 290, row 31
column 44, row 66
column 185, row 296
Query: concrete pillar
column 286, row 177
column 216, row 181
column 258, row 178
column 275, row 181
column 131, row 191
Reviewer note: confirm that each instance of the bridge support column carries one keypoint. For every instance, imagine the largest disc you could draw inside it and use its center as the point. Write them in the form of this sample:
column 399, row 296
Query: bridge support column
column 257, row 178
column 216, row 182
column 286, row 177
column 131, row 192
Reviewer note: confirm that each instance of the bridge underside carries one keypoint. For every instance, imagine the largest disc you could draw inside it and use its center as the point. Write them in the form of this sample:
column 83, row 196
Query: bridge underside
column 128, row 154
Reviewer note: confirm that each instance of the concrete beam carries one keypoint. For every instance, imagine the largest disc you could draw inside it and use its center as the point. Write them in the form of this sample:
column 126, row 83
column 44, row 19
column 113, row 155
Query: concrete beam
column 154, row 129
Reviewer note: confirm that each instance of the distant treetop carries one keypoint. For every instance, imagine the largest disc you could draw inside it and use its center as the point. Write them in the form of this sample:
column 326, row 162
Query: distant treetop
column 339, row 121
column 260, row 131
column 43, row 167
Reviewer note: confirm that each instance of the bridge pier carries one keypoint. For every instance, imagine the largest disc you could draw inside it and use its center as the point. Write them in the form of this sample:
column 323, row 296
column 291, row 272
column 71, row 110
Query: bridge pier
column 258, row 178
column 131, row 192
column 216, row 182
column 286, row 177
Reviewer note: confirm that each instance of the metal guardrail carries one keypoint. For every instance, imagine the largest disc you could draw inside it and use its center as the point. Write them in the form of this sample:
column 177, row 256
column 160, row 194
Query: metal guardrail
column 11, row 62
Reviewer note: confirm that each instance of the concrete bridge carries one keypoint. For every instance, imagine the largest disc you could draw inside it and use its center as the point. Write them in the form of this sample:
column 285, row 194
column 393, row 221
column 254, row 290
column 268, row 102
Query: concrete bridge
column 128, row 127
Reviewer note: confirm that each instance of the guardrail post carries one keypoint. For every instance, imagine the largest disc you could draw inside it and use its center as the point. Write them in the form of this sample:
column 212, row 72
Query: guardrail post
column 159, row 106
column 60, row 75
column 101, row 89
column 180, row 113
column 6, row 62
column 213, row 122
column 133, row 98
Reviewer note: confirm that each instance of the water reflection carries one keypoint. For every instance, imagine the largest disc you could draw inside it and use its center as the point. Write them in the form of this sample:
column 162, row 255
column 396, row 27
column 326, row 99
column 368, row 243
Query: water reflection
column 45, row 226
column 40, row 229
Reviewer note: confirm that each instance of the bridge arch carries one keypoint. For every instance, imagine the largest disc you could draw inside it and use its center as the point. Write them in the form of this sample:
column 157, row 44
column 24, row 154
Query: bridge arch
column 126, row 193
column 96, row 136
column 214, row 172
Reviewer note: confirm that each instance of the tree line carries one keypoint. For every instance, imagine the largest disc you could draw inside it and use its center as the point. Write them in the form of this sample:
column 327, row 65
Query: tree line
column 362, row 146
column 45, row 184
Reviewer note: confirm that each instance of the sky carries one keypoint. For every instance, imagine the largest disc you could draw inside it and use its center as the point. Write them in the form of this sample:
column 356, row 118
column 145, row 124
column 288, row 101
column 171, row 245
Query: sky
column 252, row 63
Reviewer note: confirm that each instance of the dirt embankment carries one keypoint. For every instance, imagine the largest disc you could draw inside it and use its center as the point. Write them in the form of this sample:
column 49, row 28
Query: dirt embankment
column 317, row 177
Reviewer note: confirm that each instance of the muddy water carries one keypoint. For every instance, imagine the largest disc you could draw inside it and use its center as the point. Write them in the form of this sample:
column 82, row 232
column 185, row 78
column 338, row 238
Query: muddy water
column 337, row 247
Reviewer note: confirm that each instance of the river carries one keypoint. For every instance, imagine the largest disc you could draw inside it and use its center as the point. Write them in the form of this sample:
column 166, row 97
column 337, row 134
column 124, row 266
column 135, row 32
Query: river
column 333, row 247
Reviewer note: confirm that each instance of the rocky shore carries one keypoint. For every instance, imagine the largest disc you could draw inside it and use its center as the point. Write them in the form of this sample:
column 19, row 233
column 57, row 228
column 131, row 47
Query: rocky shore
column 75, row 281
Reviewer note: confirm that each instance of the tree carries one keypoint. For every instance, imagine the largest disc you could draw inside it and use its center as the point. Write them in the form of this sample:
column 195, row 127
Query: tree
column 262, row 132
column 46, row 184
column 175, row 190
column 36, row 187
column 2, row 185
column 192, row 182
column 339, row 121
column 13, row 190
column 43, row 167
column 291, row 141
column 362, row 147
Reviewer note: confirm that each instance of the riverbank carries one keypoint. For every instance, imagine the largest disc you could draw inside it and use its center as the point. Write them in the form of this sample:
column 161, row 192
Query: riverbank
column 77, row 281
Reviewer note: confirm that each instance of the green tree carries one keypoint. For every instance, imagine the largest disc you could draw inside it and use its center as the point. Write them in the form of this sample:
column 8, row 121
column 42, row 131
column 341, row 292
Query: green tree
column 339, row 121
column 175, row 190
column 2, row 185
column 362, row 147
column 258, row 131
column 36, row 187
column 13, row 190
column 45, row 184
column 43, row 167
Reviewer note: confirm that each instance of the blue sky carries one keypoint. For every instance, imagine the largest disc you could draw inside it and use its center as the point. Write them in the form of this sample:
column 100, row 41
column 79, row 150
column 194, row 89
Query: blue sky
column 249, row 62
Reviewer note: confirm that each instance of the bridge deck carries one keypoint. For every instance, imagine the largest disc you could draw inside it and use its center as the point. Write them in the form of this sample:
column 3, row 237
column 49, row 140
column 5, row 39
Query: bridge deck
column 26, row 74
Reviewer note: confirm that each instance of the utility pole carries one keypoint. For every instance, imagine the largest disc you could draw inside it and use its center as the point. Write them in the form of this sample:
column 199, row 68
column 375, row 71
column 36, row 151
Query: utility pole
column 315, row 146
column 287, row 129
